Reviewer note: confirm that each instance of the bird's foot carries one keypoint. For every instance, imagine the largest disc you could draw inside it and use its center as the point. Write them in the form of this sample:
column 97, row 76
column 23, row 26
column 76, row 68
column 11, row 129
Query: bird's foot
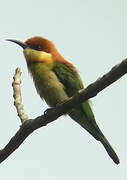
column 52, row 108
column 48, row 110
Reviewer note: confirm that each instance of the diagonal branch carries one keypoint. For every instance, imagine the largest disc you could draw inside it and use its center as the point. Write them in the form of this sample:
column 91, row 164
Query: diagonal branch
column 92, row 90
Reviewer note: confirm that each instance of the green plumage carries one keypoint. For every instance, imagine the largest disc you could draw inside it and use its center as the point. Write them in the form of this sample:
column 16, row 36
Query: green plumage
column 56, row 80
column 56, row 83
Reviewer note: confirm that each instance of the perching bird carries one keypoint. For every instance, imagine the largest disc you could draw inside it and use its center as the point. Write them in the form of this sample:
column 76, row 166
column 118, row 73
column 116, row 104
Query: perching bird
column 56, row 79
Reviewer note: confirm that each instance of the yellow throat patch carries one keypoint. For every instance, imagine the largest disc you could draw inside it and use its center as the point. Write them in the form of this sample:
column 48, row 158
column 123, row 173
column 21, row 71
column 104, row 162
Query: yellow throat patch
column 32, row 55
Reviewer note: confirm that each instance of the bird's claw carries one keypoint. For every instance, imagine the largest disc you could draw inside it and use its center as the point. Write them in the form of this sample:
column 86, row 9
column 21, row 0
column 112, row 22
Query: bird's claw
column 52, row 108
column 48, row 110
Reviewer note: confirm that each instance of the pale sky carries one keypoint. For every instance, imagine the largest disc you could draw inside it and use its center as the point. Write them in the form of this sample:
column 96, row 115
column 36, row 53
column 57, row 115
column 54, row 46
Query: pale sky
column 92, row 35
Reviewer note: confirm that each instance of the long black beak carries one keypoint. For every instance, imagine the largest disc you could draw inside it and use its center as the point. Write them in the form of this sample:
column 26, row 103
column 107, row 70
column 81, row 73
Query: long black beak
column 20, row 43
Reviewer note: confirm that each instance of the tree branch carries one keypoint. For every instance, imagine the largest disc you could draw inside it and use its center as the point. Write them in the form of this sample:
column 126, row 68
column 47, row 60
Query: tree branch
column 32, row 124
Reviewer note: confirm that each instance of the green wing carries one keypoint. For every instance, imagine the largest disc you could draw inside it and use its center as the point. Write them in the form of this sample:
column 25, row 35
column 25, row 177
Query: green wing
column 82, row 114
column 72, row 83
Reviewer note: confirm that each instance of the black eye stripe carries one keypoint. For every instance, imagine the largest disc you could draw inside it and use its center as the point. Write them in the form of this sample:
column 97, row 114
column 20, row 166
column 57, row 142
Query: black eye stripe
column 36, row 47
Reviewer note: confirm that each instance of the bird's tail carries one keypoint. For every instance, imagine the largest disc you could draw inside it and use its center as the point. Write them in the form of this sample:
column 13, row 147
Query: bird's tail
column 94, row 130
column 109, row 149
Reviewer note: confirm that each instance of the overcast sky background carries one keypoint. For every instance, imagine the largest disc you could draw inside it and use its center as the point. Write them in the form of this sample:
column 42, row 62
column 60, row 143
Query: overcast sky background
column 93, row 36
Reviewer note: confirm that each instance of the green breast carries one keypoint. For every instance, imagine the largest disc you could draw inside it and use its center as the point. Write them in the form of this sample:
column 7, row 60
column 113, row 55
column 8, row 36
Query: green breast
column 47, row 84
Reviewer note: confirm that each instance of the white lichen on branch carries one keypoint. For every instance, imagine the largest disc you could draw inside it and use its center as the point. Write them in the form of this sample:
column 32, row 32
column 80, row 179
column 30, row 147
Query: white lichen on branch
column 17, row 96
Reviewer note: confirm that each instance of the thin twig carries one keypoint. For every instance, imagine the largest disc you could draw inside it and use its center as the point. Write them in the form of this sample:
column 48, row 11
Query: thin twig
column 92, row 90
column 17, row 96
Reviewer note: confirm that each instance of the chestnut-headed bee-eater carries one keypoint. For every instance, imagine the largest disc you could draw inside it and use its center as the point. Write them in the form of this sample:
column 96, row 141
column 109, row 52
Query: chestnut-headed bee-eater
column 56, row 79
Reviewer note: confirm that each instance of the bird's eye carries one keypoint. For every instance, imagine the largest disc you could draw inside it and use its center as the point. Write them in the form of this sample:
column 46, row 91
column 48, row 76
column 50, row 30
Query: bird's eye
column 39, row 48
column 36, row 47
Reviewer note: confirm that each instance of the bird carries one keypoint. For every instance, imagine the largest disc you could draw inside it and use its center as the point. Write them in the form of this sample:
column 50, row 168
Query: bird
column 56, row 80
